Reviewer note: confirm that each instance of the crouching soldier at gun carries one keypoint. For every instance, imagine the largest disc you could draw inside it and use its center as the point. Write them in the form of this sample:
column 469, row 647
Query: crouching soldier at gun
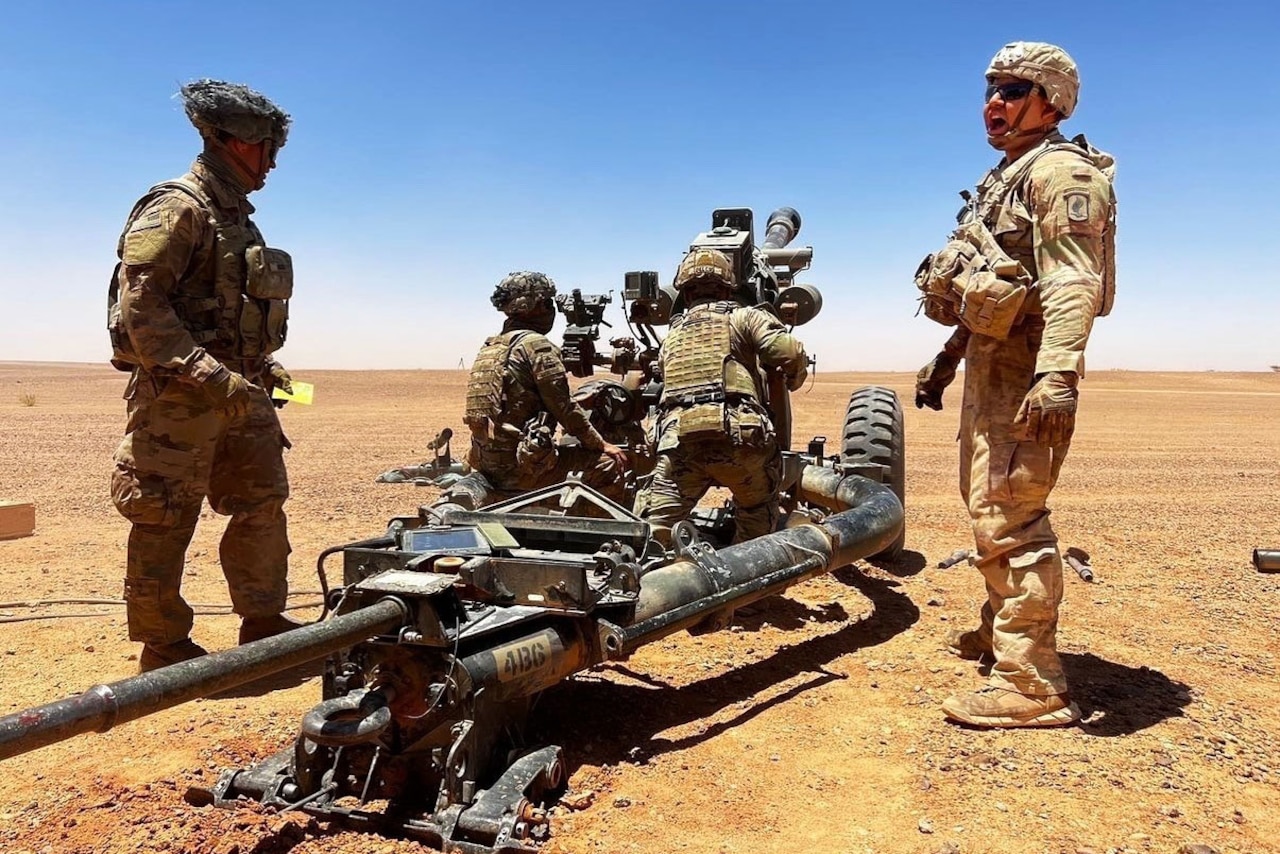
column 713, row 427
column 518, row 393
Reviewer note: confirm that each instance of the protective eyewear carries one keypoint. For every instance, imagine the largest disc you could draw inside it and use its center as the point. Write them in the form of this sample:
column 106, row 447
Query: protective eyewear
column 1015, row 91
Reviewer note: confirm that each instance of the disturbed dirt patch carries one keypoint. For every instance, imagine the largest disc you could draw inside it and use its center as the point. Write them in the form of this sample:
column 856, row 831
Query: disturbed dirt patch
column 812, row 725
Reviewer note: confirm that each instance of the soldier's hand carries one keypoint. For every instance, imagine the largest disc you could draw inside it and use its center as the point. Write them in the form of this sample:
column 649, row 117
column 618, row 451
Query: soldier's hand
column 1048, row 412
column 616, row 454
column 933, row 379
column 230, row 392
column 279, row 379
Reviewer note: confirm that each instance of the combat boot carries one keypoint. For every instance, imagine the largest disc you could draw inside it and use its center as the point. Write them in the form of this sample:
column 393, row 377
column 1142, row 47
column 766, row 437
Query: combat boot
column 997, row 707
column 257, row 628
column 156, row 655
column 971, row 644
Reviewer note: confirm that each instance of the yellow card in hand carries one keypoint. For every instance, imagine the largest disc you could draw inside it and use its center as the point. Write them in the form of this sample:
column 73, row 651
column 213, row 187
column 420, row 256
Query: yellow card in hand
column 301, row 393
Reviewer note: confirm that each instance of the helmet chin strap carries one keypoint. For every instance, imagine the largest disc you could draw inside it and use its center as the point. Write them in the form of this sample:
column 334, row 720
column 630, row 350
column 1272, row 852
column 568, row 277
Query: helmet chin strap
column 1016, row 130
column 253, row 176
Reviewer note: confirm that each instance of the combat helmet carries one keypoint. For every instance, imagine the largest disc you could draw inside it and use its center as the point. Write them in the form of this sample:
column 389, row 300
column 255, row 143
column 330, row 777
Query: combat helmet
column 232, row 108
column 1047, row 65
column 523, row 292
column 709, row 266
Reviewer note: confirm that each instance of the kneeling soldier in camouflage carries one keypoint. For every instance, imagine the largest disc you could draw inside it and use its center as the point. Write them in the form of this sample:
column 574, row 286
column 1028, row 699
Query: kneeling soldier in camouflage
column 518, row 393
column 713, row 428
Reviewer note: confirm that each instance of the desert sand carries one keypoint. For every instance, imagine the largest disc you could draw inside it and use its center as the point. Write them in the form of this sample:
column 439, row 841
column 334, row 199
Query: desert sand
column 811, row 726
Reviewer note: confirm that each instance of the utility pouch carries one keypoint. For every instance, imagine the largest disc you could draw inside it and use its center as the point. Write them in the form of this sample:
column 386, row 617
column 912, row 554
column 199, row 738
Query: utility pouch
column 936, row 280
column 701, row 420
column 991, row 305
column 264, row 315
column 750, row 428
column 269, row 273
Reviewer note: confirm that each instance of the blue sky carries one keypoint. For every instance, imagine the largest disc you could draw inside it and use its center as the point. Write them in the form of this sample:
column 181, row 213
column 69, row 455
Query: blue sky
column 437, row 146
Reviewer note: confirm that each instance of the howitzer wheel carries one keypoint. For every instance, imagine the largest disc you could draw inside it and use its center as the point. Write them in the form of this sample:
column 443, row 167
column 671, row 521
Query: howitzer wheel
column 873, row 436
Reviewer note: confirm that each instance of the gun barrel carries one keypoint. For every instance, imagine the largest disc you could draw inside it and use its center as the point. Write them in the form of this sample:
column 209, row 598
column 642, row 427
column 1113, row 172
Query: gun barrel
column 784, row 225
column 104, row 706
column 866, row 518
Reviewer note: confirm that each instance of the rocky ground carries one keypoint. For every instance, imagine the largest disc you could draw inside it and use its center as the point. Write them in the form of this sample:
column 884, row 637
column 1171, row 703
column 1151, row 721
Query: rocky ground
column 811, row 725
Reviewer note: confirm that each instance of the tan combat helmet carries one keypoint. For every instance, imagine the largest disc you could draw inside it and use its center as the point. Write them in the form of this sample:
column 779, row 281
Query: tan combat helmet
column 523, row 293
column 705, row 266
column 231, row 108
column 1047, row 65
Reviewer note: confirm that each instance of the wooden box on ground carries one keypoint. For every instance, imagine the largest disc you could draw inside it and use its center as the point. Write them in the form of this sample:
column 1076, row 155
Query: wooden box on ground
column 17, row 519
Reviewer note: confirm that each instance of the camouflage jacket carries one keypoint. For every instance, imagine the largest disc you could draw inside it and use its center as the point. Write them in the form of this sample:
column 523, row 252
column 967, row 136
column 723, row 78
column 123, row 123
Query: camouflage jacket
column 167, row 251
column 1057, row 220
column 533, row 383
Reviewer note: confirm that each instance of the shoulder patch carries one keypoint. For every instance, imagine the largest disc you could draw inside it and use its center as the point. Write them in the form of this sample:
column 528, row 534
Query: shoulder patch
column 1077, row 205
column 147, row 239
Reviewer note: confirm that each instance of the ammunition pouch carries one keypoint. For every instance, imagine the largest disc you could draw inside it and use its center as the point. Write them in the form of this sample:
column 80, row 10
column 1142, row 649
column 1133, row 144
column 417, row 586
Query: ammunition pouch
column 264, row 317
column 973, row 281
column 991, row 305
column 936, row 279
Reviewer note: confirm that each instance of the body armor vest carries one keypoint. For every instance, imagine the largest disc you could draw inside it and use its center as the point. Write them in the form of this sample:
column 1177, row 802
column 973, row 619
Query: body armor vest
column 697, row 363
column 235, row 305
column 1002, row 208
column 486, row 398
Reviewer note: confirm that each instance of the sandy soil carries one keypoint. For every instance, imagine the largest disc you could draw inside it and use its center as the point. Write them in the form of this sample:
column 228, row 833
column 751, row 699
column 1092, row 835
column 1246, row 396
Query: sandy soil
column 813, row 726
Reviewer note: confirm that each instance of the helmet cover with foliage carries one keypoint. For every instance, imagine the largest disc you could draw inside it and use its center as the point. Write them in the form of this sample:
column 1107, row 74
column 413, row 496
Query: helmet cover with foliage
column 1049, row 66
column 234, row 109
column 705, row 266
column 524, row 292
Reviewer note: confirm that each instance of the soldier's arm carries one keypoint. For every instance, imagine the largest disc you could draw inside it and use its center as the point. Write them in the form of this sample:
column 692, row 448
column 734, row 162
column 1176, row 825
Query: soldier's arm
column 154, row 254
column 1070, row 200
column 553, row 387
column 774, row 346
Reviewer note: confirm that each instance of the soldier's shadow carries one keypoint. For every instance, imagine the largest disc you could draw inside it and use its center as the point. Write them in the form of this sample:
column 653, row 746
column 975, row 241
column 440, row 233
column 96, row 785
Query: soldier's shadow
column 628, row 717
column 1116, row 700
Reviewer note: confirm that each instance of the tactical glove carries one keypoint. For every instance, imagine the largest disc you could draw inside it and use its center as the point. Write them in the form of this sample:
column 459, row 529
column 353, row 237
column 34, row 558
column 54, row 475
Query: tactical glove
column 1048, row 412
column 933, row 379
column 229, row 392
column 279, row 379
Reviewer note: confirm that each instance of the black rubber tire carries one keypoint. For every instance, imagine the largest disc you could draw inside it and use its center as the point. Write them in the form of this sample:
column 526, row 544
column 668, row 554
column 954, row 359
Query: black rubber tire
column 873, row 435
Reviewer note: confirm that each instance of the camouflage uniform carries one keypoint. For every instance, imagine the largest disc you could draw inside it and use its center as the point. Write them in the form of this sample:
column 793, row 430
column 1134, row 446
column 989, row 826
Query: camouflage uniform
column 516, row 395
column 713, row 429
column 1052, row 211
column 200, row 300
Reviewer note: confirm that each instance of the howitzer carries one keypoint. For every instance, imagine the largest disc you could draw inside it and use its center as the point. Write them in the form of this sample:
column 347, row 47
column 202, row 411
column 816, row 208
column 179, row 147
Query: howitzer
column 765, row 277
column 445, row 630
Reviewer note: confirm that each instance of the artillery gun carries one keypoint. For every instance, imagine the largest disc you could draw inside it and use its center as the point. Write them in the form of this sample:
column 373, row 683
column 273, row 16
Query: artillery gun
column 872, row 442
column 445, row 631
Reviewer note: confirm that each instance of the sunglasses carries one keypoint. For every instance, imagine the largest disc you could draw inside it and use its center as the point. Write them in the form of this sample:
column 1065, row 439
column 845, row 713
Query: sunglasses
column 1014, row 91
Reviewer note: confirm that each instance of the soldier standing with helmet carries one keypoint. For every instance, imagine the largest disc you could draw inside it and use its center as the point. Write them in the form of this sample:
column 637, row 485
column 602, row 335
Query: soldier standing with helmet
column 713, row 428
column 518, row 392
column 197, row 306
column 1024, row 276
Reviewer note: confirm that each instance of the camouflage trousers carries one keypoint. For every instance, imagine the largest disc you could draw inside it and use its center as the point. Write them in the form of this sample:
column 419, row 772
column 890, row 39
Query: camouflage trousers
column 1006, row 481
column 685, row 472
column 177, row 451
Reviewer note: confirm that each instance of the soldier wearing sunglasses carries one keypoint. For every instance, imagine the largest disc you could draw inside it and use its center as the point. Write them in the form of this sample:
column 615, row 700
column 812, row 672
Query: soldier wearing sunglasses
column 1022, row 278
